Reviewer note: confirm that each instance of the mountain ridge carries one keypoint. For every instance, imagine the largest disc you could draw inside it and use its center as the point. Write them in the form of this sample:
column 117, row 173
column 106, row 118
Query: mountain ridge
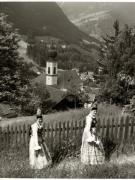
column 99, row 25
column 43, row 18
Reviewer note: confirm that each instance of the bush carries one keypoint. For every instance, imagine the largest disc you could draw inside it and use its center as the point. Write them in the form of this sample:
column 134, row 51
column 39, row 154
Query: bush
column 68, row 148
column 110, row 146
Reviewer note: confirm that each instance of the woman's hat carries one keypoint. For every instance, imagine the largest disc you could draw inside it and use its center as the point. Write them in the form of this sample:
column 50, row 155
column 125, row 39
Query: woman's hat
column 94, row 108
column 39, row 116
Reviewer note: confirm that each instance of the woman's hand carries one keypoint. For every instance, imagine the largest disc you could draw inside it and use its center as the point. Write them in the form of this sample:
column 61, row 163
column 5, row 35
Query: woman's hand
column 97, row 141
column 92, row 143
column 36, row 153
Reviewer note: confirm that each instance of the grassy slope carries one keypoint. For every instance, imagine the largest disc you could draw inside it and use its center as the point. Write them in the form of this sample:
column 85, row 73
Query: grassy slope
column 50, row 118
column 104, row 111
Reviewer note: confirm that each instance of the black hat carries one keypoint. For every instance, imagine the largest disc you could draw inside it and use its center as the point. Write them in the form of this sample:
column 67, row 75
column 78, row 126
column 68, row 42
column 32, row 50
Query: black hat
column 39, row 116
column 94, row 108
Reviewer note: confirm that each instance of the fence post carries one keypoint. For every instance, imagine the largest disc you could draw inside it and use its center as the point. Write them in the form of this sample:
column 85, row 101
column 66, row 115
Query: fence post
column 75, row 128
column 28, row 135
column 132, row 136
column 23, row 131
column 116, row 129
column 64, row 129
column 116, row 135
column 67, row 132
column 48, row 136
column 132, row 130
column 107, row 128
column 121, row 133
column 59, row 134
column 8, row 137
column 71, row 128
column 56, row 134
column 103, row 128
column 79, row 133
column 20, row 136
column 16, row 137
column 126, row 128
column 52, row 146
column 12, row 136
column 112, row 124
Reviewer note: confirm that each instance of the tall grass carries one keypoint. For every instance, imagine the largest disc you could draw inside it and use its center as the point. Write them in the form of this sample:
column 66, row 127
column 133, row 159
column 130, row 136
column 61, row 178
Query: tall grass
column 15, row 164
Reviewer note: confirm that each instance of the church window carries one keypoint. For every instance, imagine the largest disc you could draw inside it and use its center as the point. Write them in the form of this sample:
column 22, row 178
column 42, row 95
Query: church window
column 48, row 70
column 54, row 70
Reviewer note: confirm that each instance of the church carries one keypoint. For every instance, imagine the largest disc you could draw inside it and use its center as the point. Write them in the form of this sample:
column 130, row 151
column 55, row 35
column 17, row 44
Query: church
column 61, row 84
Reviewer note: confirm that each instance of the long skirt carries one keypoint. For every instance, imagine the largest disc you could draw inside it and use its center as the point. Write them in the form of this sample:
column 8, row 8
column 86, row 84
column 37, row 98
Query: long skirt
column 92, row 154
column 39, row 159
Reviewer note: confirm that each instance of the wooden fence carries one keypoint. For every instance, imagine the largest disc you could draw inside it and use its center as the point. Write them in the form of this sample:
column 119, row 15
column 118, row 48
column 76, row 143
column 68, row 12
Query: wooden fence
column 69, row 133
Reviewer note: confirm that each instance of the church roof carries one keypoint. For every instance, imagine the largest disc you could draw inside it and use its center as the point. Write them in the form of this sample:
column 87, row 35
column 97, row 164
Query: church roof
column 55, row 95
column 66, row 79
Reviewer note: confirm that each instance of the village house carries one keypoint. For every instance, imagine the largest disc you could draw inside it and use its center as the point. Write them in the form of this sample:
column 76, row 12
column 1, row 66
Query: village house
column 87, row 75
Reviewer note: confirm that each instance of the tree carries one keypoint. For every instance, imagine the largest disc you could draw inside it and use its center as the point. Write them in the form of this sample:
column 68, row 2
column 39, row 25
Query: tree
column 117, row 55
column 14, row 72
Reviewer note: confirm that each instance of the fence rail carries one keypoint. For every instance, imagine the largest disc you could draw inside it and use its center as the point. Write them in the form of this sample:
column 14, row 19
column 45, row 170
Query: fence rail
column 121, row 130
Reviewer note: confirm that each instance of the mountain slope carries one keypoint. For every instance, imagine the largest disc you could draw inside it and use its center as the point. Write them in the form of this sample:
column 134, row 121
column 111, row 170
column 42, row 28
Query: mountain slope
column 43, row 18
column 96, row 18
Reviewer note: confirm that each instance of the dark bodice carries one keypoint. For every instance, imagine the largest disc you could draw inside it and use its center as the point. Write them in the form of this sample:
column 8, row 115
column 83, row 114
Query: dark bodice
column 94, row 122
column 40, row 132
column 40, row 135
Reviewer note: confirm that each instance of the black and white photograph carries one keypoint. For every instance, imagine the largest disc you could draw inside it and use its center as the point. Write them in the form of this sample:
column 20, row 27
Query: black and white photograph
column 67, row 89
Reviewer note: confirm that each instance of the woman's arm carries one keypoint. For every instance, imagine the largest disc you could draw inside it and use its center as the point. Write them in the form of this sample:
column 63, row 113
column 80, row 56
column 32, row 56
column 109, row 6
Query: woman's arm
column 89, row 136
column 35, row 136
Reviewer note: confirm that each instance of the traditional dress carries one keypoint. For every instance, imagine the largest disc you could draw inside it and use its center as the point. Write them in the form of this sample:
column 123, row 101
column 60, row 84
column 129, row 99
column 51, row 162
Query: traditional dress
column 92, row 152
column 39, row 156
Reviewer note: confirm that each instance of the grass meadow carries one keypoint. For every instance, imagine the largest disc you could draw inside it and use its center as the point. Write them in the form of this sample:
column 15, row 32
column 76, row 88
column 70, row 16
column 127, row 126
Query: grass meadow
column 66, row 161
column 15, row 164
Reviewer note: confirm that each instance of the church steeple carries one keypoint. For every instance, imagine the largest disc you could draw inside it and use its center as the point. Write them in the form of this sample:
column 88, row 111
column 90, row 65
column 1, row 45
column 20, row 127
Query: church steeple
column 51, row 67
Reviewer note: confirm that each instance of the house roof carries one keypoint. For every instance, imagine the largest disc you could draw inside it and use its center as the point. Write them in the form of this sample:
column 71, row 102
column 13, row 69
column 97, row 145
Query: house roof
column 55, row 95
column 66, row 79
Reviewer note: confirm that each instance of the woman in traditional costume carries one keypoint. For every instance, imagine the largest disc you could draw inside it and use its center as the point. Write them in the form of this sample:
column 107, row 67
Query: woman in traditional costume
column 92, row 152
column 39, row 156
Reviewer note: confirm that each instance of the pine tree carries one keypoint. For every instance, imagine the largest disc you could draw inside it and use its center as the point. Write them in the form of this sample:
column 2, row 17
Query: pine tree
column 14, row 72
column 117, row 55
